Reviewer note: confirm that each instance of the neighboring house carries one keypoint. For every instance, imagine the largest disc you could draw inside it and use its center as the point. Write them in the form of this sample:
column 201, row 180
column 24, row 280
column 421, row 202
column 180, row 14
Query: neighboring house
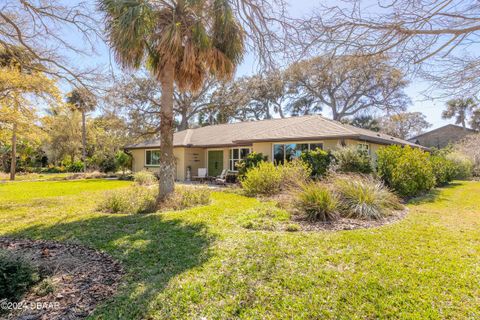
column 443, row 136
column 221, row 146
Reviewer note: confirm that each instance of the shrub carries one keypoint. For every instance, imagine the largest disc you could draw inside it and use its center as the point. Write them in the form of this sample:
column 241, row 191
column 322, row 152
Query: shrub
column 135, row 199
column 443, row 169
column 144, row 178
column 365, row 198
column 76, row 166
column 17, row 275
column 264, row 179
column 292, row 227
column 53, row 169
column 295, row 173
column 251, row 161
column 269, row 179
column 406, row 170
column 123, row 161
column 469, row 147
column 318, row 160
column 108, row 164
column 463, row 165
column 186, row 197
column 350, row 159
column 317, row 202
column 46, row 286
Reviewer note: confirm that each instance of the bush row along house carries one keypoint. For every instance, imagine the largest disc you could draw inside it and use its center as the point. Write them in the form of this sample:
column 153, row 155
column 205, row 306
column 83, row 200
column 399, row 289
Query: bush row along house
column 220, row 147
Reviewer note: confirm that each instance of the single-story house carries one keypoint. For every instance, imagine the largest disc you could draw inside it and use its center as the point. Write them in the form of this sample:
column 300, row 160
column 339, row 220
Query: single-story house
column 219, row 147
column 443, row 136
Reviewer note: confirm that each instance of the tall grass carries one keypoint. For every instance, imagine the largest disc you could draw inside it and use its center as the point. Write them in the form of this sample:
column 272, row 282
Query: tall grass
column 144, row 178
column 317, row 202
column 365, row 198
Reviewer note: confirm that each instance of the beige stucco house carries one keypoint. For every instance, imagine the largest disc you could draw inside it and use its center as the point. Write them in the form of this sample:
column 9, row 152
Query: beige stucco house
column 221, row 146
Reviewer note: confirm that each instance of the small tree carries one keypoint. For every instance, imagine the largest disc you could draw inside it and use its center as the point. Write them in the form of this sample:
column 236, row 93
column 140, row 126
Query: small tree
column 123, row 161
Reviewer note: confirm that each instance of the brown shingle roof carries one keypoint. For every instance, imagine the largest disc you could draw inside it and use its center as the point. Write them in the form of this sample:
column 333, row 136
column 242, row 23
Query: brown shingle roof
column 313, row 127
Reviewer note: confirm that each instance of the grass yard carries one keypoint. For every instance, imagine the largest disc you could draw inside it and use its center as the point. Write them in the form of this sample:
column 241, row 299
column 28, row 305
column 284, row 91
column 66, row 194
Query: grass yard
column 201, row 263
column 34, row 176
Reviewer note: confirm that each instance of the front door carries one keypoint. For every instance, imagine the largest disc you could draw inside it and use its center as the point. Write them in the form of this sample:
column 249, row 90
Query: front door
column 215, row 163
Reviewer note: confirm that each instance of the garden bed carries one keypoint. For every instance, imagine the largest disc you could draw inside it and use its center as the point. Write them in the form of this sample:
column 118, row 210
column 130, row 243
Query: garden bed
column 82, row 278
column 347, row 223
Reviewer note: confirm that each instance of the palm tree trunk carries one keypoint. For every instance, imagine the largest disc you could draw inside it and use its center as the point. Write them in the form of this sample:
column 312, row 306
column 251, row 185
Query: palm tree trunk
column 13, row 164
column 84, row 142
column 167, row 160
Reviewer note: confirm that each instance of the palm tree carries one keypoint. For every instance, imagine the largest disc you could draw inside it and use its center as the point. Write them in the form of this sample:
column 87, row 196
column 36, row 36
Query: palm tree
column 83, row 101
column 181, row 42
column 461, row 109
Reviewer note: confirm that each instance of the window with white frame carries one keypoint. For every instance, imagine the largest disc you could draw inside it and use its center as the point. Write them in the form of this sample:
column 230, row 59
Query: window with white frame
column 237, row 154
column 287, row 152
column 152, row 157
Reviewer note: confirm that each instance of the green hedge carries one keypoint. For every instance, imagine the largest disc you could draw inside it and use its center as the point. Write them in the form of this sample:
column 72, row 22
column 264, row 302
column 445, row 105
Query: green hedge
column 406, row 170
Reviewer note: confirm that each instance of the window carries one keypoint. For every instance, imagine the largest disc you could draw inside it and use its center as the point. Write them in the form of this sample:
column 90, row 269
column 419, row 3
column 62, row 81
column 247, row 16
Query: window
column 293, row 151
column 315, row 146
column 288, row 152
column 152, row 157
column 364, row 147
column 237, row 154
column 279, row 153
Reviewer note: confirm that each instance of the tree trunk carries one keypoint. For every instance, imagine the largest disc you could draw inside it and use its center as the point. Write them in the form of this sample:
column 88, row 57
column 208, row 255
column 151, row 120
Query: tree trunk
column 183, row 122
column 13, row 164
column 84, row 142
column 167, row 160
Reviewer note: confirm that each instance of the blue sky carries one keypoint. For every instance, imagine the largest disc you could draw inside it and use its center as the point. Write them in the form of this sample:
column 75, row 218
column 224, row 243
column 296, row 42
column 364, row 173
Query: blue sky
column 431, row 108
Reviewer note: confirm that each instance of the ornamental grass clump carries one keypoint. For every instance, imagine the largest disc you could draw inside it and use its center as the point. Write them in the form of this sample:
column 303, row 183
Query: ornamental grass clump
column 187, row 197
column 134, row 199
column 365, row 198
column 317, row 202
column 144, row 178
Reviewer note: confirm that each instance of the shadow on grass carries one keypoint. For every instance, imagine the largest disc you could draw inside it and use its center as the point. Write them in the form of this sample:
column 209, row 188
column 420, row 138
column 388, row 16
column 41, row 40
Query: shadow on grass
column 432, row 195
column 152, row 250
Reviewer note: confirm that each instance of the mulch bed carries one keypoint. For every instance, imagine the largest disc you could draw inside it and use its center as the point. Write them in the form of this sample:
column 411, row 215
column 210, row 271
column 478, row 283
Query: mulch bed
column 83, row 278
column 348, row 224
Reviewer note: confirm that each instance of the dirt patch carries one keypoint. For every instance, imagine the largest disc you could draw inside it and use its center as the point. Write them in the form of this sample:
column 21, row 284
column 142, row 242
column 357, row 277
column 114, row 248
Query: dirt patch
column 348, row 223
column 81, row 278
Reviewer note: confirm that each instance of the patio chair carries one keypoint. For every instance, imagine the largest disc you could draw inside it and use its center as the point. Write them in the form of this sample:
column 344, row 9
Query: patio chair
column 222, row 178
column 202, row 174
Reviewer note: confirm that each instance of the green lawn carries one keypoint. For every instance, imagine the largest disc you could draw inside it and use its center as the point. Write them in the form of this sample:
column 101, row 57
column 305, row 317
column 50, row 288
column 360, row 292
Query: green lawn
column 202, row 263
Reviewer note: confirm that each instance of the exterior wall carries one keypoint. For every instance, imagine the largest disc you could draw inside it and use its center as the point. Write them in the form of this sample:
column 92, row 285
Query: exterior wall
column 198, row 157
column 194, row 158
column 138, row 163
column 441, row 137
column 179, row 154
column 265, row 148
